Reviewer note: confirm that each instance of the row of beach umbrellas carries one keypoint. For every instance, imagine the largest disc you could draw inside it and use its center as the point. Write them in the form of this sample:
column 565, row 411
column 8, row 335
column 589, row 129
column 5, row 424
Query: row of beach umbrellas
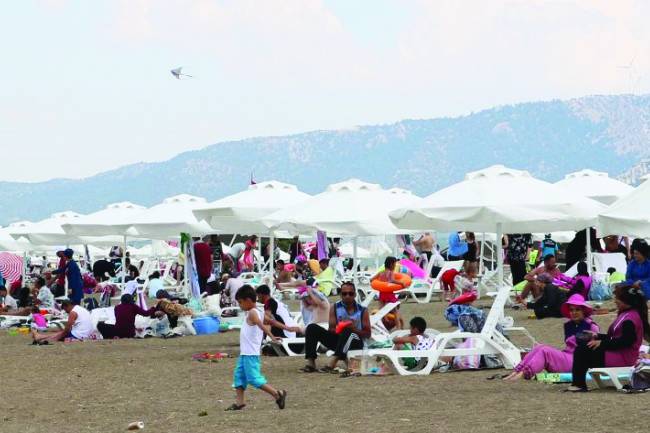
column 497, row 195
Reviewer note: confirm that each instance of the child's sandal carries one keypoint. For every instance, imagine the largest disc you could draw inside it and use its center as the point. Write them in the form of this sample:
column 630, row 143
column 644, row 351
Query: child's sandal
column 282, row 399
column 235, row 406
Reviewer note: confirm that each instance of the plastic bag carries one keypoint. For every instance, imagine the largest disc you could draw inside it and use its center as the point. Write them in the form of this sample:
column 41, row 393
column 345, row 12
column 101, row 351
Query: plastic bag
column 600, row 290
column 467, row 362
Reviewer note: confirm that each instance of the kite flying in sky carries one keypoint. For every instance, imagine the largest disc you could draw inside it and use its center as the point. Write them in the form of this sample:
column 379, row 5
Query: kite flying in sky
column 177, row 73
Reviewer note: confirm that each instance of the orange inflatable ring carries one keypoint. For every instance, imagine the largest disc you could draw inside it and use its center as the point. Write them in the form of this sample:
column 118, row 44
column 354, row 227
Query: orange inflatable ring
column 383, row 286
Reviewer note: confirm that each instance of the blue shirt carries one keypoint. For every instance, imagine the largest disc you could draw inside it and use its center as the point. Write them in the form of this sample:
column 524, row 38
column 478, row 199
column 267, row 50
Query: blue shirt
column 75, row 282
column 457, row 248
column 639, row 272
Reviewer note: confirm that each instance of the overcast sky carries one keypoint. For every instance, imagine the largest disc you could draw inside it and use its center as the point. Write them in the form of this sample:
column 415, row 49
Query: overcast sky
column 85, row 85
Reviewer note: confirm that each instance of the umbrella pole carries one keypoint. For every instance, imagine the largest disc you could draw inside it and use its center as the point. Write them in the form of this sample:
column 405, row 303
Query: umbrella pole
column 271, row 257
column 23, row 274
column 481, row 268
column 589, row 267
column 499, row 255
column 260, row 266
column 355, row 275
column 124, row 262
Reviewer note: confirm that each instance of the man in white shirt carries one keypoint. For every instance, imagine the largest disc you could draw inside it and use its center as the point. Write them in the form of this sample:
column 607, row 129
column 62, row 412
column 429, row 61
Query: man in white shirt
column 231, row 286
column 78, row 327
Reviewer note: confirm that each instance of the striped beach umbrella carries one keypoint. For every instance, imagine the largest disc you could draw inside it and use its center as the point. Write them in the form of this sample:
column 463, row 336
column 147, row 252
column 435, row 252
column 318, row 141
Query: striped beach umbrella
column 11, row 267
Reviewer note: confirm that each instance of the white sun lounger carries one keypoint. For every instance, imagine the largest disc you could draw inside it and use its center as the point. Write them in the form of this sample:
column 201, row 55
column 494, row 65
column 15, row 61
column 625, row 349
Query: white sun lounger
column 488, row 342
column 611, row 377
column 422, row 290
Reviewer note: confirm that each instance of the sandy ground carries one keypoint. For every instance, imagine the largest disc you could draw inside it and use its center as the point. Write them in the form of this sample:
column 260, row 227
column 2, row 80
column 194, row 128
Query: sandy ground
column 102, row 386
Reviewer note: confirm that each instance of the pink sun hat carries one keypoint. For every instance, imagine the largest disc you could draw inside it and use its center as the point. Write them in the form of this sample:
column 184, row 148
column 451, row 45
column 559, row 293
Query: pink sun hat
column 577, row 301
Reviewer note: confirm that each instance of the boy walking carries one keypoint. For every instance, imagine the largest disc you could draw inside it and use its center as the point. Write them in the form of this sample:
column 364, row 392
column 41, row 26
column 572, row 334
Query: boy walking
column 247, row 371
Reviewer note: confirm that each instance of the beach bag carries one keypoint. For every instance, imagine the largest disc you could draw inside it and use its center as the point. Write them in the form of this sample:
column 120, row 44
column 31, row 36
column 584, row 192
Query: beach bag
column 641, row 375
column 471, row 320
column 452, row 313
column 160, row 327
column 90, row 304
column 600, row 290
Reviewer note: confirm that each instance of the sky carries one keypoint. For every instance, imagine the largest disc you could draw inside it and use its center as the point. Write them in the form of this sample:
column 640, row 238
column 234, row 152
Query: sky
column 85, row 85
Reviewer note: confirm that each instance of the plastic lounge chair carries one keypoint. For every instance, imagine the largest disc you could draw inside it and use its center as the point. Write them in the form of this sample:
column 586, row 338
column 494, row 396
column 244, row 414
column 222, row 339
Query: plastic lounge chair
column 610, row 260
column 422, row 290
column 611, row 377
column 488, row 342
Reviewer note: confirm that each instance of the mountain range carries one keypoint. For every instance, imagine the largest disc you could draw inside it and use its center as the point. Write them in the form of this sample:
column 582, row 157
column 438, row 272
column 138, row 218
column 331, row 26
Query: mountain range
column 550, row 139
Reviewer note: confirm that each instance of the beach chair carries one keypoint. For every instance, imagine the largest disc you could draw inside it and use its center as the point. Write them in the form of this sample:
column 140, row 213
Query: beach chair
column 423, row 290
column 488, row 342
column 602, row 262
column 611, row 377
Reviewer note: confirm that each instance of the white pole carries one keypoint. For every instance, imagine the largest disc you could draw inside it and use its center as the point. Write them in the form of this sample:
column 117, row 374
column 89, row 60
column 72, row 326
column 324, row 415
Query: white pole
column 124, row 263
column 589, row 267
column 480, row 265
column 272, row 257
column 23, row 276
column 259, row 252
column 499, row 256
column 354, row 261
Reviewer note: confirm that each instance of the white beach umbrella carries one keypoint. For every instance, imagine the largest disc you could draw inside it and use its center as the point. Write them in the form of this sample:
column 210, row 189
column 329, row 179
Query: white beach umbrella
column 169, row 218
column 350, row 208
column 106, row 222
column 510, row 201
column 629, row 216
column 500, row 195
column 8, row 243
column 242, row 212
column 47, row 231
column 595, row 185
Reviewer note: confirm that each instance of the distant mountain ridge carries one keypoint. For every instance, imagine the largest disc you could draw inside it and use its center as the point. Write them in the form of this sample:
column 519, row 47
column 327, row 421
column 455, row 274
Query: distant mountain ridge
column 550, row 139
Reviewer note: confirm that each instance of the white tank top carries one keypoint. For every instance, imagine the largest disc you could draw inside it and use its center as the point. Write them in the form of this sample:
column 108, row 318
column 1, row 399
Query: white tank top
column 250, row 336
column 82, row 328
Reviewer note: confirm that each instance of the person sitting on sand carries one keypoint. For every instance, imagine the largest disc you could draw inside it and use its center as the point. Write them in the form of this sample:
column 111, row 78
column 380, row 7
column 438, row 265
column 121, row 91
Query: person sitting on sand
column 580, row 284
column 10, row 306
column 125, row 313
column 7, row 302
column 544, row 357
column 172, row 309
column 550, row 300
column 78, row 327
column 339, row 337
column 43, row 296
column 549, row 267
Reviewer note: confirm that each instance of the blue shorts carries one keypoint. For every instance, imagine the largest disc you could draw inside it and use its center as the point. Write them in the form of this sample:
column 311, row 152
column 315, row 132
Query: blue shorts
column 248, row 372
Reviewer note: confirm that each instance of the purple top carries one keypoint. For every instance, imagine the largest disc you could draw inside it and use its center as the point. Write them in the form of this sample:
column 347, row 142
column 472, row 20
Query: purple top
column 125, row 319
column 624, row 356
